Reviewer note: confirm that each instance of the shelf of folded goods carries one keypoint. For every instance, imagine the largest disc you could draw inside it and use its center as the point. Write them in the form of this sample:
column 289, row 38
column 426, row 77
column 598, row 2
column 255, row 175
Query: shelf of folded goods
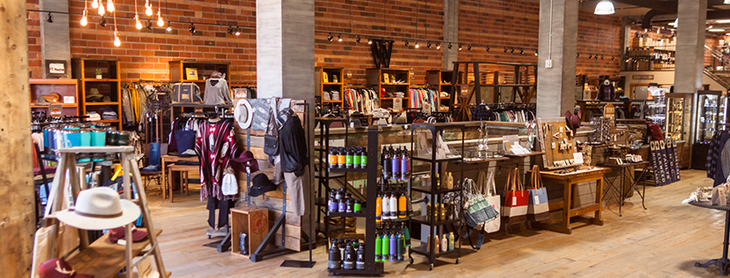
column 105, row 259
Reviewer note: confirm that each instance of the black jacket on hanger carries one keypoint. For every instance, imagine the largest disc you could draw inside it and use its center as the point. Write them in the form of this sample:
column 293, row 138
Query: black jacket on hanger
column 293, row 146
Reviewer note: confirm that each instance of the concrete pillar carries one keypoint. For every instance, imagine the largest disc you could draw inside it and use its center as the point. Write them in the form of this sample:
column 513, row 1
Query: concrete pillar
column 17, row 220
column 692, row 15
column 451, row 33
column 556, row 85
column 55, row 37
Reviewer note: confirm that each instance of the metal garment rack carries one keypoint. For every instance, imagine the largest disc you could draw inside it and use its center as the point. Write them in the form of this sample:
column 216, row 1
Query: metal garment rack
column 435, row 194
column 88, row 260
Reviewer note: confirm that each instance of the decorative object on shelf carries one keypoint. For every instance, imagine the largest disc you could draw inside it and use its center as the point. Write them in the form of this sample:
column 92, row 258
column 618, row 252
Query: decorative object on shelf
column 191, row 74
column 98, row 74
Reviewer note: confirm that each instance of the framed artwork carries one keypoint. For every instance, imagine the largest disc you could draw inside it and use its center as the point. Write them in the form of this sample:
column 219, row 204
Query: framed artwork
column 191, row 73
column 56, row 68
column 325, row 77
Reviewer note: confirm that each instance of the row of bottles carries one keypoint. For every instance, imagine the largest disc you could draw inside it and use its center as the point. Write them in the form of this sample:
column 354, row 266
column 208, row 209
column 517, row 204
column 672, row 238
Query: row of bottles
column 346, row 254
column 348, row 158
column 447, row 183
column 390, row 244
column 391, row 203
column 396, row 163
column 341, row 201
column 442, row 211
column 444, row 244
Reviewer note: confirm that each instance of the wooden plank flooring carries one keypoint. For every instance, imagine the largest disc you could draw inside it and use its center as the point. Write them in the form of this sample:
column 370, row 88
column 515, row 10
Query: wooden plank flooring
column 663, row 241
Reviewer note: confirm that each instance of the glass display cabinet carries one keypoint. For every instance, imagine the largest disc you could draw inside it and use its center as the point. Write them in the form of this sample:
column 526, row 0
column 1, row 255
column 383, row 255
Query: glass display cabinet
column 710, row 106
column 679, row 109
column 656, row 107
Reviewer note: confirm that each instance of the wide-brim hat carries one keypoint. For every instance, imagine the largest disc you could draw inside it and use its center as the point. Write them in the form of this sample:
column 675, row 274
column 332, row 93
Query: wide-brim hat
column 59, row 268
column 239, row 163
column 52, row 98
column 119, row 233
column 261, row 184
column 99, row 209
column 243, row 113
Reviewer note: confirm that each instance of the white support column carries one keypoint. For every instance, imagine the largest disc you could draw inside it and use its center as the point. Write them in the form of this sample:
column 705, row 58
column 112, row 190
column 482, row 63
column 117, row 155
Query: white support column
column 692, row 15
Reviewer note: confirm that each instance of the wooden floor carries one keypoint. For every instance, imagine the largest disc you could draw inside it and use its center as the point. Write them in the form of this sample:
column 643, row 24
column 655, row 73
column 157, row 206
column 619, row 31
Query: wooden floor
column 663, row 241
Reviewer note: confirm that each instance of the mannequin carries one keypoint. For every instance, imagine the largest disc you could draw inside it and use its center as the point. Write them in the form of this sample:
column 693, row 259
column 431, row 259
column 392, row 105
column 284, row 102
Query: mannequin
column 606, row 91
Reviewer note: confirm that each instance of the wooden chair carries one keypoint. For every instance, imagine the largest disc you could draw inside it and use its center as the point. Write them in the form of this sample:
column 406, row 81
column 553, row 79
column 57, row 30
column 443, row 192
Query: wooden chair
column 149, row 176
column 184, row 180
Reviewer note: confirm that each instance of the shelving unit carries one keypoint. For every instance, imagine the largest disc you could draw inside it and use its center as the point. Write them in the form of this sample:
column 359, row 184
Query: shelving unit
column 205, row 69
column 376, row 79
column 63, row 87
column 333, row 82
column 323, row 176
column 441, row 80
column 109, row 86
column 372, row 268
column 436, row 227
column 678, row 104
column 648, row 58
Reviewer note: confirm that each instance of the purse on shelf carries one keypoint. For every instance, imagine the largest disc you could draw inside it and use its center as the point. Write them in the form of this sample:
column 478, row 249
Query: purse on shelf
column 515, row 199
column 538, row 208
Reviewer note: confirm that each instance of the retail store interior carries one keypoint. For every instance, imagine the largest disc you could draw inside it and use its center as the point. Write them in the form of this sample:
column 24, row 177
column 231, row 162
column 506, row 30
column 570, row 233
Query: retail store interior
column 342, row 138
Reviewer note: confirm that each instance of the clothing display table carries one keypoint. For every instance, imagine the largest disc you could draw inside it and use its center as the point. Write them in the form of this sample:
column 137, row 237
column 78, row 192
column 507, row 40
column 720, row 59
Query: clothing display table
column 723, row 262
column 622, row 175
column 568, row 180
column 172, row 159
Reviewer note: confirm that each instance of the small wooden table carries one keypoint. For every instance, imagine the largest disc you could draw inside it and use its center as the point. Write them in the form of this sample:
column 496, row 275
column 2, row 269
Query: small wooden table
column 568, row 180
column 172, row 159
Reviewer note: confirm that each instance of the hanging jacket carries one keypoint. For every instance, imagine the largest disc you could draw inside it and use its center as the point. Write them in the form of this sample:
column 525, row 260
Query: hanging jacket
column 216, row 92
column 293, row 146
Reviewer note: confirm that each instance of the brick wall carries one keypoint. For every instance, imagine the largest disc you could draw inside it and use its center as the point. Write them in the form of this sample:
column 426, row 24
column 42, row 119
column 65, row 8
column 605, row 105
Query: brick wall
column 145, row 53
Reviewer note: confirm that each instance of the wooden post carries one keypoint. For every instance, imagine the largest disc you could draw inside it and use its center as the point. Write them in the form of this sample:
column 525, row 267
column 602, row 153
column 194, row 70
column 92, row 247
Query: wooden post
column 17, row 219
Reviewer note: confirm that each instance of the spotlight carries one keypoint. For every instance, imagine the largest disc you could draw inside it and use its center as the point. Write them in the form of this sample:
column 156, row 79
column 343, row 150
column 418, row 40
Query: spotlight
column 522, row 50
column 329, row 37
column 370, row 41
column 535, row 52
column 149, row 24
column 512, row 50
column 192, row 28
column 358, row 39
column 449, row 45
column 407, row 44
column 590, row 56
column 613, row 58
column 577, row 55
column 505, row 49
column 459, row 46
column 102, row 22
column 230, row 30
column 50, row 18
column 238, row 31
column 468, row 47
column 428, row 45
column 488, row 48
column 339, row 38
column 601, row 56
column 169, row 27
column 595, row 57
column 438, row 45
column 417, row 45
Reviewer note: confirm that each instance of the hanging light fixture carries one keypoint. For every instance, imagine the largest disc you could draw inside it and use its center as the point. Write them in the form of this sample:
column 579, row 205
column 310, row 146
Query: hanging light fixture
column 438, row 45
column 95, row 4
column 726, row 2
column 117, row 41
column 238, row 31
column 604, row 7
column 535, row 52
column 50, row 18
column 339, row 38
column 84, row 20
column 417, row 45
column 370, row 41
column 160, row 22
column 149, row 24
column 459, row 46
column 148, row 8
column 137, row 24
column 522, row 50
column 329, row 37
column 468, row 47
column 110, row 6
column 169, row 27
column 101, row 10
column 102, row 22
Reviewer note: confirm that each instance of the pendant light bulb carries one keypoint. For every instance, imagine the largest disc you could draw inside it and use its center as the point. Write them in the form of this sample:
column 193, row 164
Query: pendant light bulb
column 238, row 31
column 604, row 7
column 438, row 45
column 84, row 20
column 160, row 22
column 138, row 24
column 117, row 41
column 110, row 6
column 169, row 27
column 101, row 10
column 148, row 10
column 95, row 4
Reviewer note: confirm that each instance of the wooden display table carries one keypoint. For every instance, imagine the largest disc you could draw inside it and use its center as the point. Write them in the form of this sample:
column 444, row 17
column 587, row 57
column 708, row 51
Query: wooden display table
column 252, row 221
column 105, row 259
column 172, row 159
column 568, row 180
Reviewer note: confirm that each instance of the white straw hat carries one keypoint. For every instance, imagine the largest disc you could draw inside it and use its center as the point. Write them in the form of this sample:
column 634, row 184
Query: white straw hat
column 98, row 209
column 243, row 113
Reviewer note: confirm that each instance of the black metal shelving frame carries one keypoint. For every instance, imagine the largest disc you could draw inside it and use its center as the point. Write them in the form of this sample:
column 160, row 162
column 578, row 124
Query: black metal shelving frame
column 323, row 173
column 436, row 195
column 372, row 268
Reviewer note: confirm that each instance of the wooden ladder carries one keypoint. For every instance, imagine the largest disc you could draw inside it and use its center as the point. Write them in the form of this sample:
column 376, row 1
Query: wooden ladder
column 101, row 258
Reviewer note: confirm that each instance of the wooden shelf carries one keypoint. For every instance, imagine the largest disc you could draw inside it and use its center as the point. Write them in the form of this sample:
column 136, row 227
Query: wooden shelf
column 106, row 121
column 100, row 80
column 391, row 98
column 110, row 68
column 105, row 259
column 65, row 105
column 330, row 83
column 101, row 103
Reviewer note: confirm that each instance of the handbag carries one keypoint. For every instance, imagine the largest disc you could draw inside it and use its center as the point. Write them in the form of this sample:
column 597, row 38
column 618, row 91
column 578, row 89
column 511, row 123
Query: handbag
column 515, row 199
column 538, row 208
column 186, row 92
column 229, row 185
column 271, row 139
column 494, row 200
column 476, row 206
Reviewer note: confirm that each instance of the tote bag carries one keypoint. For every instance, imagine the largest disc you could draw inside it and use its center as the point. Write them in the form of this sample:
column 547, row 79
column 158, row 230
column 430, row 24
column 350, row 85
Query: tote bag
column 515, row 199
column 538, row 209
column 494, row 200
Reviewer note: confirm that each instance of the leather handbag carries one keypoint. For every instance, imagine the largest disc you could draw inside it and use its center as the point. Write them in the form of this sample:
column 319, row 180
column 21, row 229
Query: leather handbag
column 538, row 209
column 186, row 92
column 271, row 139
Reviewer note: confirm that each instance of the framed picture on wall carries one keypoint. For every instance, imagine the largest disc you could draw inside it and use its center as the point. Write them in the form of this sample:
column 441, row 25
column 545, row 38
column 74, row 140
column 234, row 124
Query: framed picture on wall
column 191, row 74
column 56, row 68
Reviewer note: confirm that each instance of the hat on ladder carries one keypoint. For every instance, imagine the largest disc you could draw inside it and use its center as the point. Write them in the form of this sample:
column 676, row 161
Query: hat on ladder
column 98, row 209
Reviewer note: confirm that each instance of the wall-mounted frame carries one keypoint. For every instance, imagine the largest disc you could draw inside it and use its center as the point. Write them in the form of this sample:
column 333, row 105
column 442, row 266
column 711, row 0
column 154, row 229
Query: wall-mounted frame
column 56, row 68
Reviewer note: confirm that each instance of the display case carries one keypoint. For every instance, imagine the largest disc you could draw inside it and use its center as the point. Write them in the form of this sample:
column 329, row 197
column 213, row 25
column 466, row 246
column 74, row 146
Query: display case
column 710, row 106
column 656, row 107
column 679, row 109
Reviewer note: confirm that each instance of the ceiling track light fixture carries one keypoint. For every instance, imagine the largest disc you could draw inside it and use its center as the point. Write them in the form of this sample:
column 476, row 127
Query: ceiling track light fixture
column 468, row 47
column 339, row 38
column 613, row 58
column 370, row 41
column 329, row 37
column 595, row 57
column 358, row 39
column 230, row 30
column 590, row 56
column 192, row 28
column 238, row 31
column 522, row 51
column 535, row 52
column 428, row 45
column 449, row 45
column 169, row 27
column 149, row 24
column 50, row 18
column 102, row 22
column 488, row 48
column 438, row 45
column 512, row 50
column 505, row 49
column 602, row 57
column 407, row 44
column 459, row 46
column 418, row 45
column 577, row 55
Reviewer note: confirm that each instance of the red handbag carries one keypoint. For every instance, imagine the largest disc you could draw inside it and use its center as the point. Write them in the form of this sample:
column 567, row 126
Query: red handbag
column 516, row 198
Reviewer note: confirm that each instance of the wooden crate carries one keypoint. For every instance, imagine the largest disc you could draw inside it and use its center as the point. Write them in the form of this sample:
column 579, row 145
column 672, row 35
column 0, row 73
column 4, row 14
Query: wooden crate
column 252, row 221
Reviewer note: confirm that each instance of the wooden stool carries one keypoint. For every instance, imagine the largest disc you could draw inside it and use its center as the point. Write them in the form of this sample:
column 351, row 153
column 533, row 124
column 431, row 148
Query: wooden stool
column 184, row 170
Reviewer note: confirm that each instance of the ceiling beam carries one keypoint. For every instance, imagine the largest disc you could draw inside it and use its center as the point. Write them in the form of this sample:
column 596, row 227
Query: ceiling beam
column 669, row 7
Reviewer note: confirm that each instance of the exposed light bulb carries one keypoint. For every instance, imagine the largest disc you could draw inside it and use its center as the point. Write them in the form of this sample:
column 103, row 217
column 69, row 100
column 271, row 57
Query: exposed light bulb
column 339, row 38
column 138, row 24
column 417, row 45
column 84, row 20
column 95, row 4
column 101, row 10
column 370, row 41
column 148, row 10
column 438, row 46
column 117, row 41
column 110, row 6
column 169, row 28
column 238, row 31
column 160, row 22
